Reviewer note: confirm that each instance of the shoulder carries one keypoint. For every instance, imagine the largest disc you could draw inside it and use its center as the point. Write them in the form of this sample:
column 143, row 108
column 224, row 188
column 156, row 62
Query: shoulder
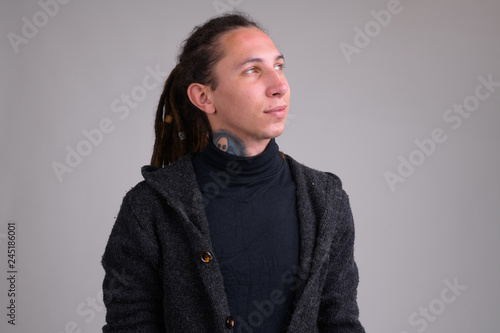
column 320, row 195
column 319, row 188
column 308, row 175
column 169, row 183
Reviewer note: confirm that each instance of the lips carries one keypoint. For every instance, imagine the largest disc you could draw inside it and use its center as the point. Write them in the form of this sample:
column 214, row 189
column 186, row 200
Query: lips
column 279, row 111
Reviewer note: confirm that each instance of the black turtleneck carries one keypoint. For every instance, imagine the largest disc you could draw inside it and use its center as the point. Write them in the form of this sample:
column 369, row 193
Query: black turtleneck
column 250, row 207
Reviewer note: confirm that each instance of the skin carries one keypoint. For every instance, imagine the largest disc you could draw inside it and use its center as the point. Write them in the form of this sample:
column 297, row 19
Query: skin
column 250, row 104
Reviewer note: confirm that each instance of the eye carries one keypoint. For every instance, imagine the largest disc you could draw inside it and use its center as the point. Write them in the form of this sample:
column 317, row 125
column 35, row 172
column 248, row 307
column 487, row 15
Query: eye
column 279, row 66
column 250, row 70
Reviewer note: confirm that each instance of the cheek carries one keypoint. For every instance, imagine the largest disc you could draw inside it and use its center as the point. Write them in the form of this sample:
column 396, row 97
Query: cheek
column 242, row 102
column 239, row 100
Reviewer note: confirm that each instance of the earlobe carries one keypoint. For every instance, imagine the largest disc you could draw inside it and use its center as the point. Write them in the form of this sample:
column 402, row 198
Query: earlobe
column 198, row 95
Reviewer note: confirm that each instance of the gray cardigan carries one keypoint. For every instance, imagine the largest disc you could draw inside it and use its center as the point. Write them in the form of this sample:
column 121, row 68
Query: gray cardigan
column 161, row 277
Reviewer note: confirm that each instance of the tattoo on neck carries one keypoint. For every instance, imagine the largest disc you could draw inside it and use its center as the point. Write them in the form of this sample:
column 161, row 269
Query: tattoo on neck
column 228, row 142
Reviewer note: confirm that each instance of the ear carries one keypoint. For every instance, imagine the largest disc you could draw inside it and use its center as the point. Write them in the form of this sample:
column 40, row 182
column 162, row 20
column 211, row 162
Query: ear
column 198, row 95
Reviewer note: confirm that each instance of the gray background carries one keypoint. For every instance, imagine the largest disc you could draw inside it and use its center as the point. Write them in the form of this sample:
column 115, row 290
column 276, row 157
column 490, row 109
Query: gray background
column 351, row 118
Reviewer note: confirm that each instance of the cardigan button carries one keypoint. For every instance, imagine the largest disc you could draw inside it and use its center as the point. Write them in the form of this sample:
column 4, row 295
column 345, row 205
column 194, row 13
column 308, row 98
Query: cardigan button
column 229, row 322
column 206, row 256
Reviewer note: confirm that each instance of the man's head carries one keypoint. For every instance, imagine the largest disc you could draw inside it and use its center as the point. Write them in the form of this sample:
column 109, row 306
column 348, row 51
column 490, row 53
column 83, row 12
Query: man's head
column 251, row 98
column 241, row 99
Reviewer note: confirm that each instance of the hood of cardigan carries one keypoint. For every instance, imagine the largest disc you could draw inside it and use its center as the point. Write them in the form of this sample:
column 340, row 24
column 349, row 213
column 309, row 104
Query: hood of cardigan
column 176, row 182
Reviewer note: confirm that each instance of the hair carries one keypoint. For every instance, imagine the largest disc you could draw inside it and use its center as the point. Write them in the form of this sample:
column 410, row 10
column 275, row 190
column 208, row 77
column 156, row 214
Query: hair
column 180, row 127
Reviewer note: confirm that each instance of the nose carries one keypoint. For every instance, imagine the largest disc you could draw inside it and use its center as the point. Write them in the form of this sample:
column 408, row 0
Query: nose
column 277, row 84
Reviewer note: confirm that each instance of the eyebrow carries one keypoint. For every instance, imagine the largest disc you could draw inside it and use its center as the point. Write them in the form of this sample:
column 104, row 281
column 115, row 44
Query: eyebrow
column 249, row 60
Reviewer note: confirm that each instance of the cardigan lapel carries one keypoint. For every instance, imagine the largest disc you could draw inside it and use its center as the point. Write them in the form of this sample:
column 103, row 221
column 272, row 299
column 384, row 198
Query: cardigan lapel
column 313, row 193
column 316, row 197
column 178, row 185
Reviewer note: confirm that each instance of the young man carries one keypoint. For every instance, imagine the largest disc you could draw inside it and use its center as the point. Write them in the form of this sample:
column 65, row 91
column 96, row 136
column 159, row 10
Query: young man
column 226, row 233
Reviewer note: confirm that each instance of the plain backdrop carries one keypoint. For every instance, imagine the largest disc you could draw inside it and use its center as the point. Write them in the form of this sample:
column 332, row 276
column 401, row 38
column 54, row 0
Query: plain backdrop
column 368, row 92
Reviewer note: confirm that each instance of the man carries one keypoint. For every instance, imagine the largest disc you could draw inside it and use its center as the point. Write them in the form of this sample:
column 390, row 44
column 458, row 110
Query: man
column 226, row 233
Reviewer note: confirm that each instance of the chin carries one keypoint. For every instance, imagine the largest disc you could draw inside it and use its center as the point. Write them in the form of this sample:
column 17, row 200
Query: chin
column 277, row 132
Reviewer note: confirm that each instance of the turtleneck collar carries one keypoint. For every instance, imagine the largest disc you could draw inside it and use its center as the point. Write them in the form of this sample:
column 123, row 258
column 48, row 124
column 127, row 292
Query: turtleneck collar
column 265, row 164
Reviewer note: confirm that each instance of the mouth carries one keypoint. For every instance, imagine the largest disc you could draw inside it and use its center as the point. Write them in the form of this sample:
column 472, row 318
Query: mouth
column 279, row 111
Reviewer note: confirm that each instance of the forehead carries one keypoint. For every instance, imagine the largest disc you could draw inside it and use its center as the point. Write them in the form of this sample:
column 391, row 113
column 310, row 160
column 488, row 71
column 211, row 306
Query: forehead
column 245, row 42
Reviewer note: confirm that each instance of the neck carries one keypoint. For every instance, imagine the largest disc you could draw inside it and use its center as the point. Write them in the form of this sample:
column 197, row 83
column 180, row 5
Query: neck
column 232, row 144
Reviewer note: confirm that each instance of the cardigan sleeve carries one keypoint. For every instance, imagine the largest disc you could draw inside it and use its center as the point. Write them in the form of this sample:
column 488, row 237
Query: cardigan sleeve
column 338, row 308
column 132, row 285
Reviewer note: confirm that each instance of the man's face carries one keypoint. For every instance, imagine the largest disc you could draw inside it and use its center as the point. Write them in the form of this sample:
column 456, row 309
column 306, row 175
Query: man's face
column 252, row 97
